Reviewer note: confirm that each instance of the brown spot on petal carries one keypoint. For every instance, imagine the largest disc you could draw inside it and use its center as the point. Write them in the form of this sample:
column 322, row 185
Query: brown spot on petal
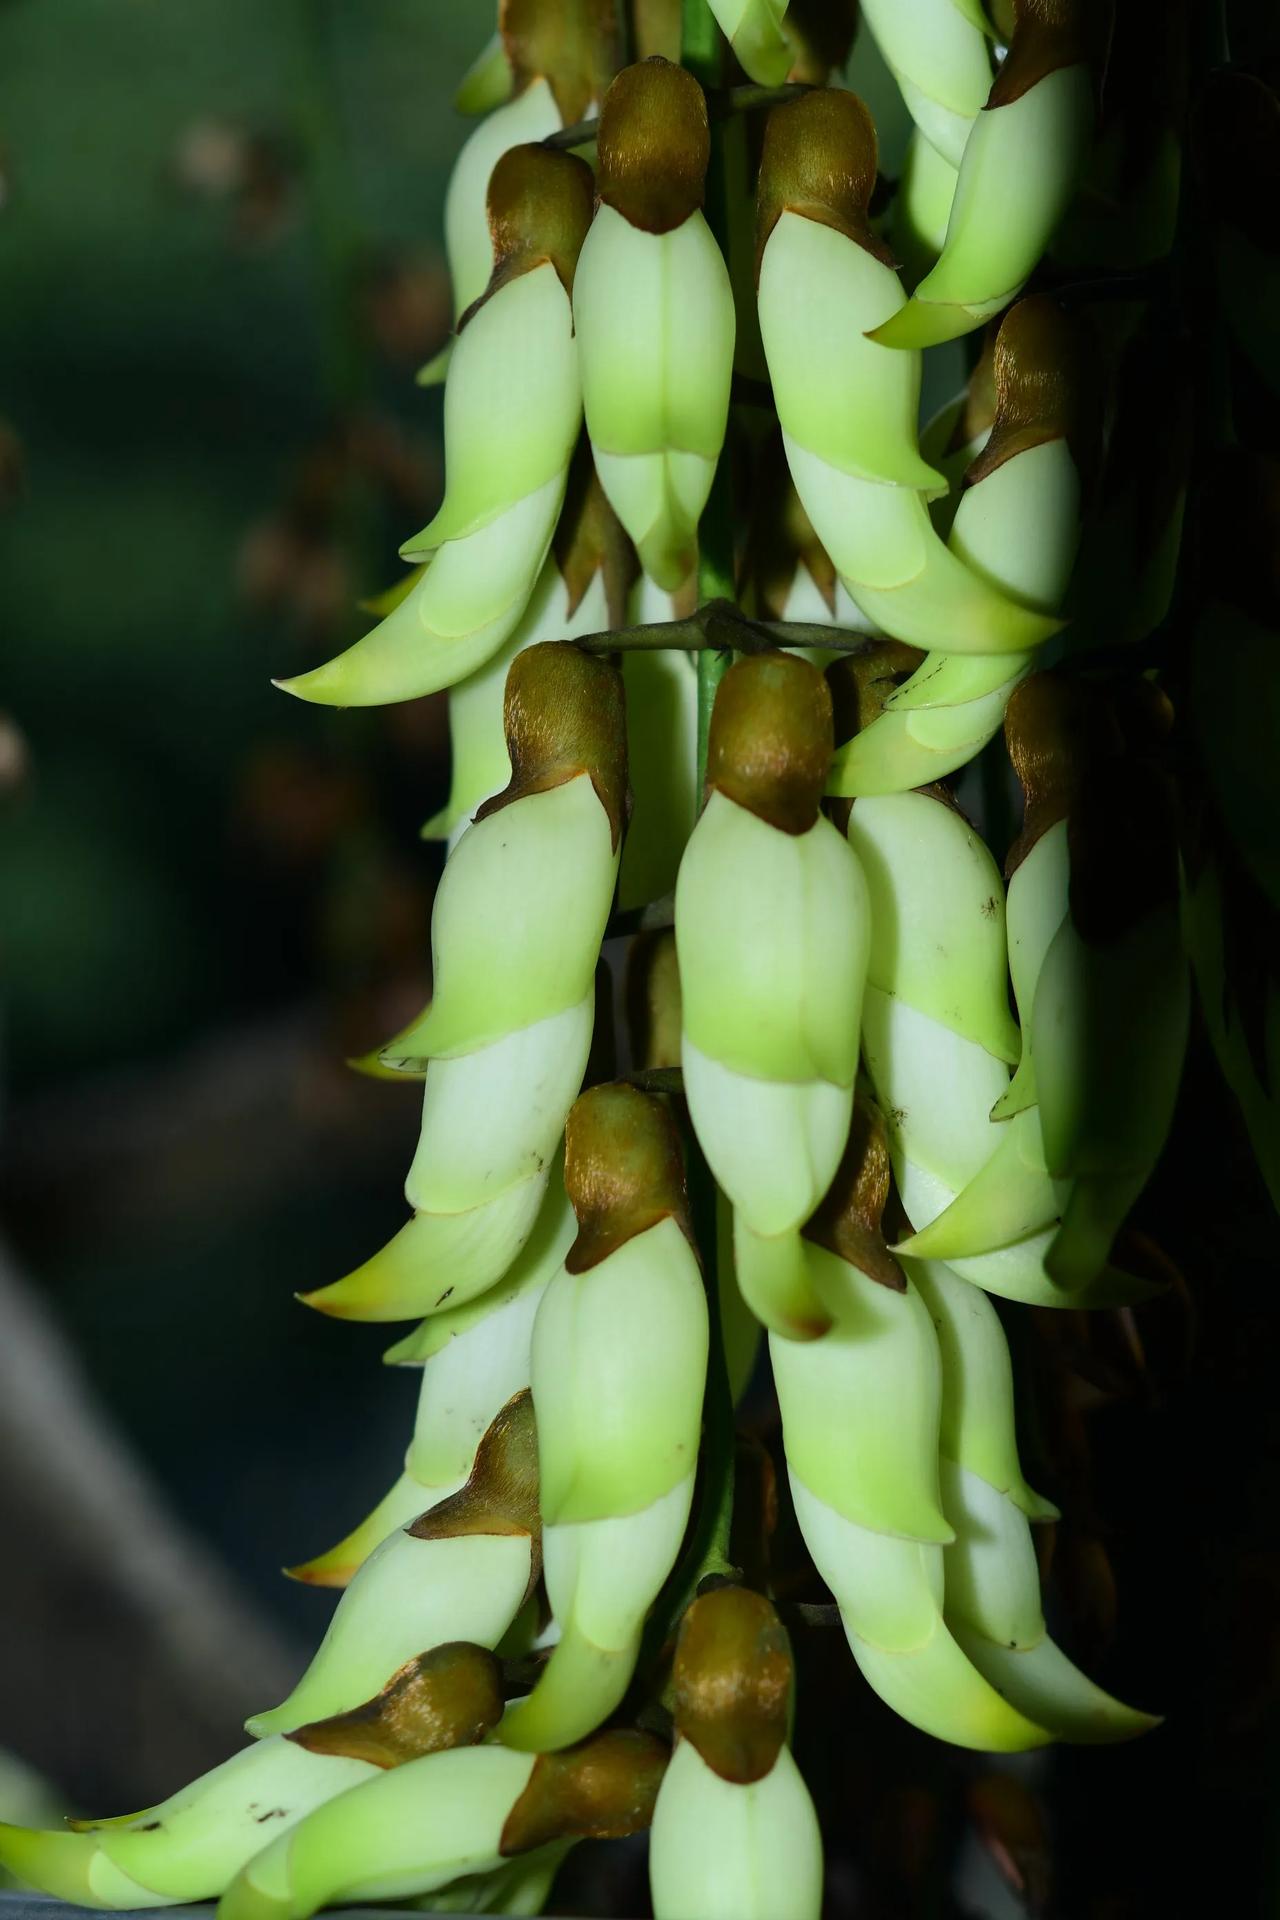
column 654, row 145
column 771, row 739
column 565, row 714
column 848, row 1222
column 732, row 1680
column 501, row 1494
column 623, row 1171
column 819, row 160
column 601, row 1790
column 449, row 1697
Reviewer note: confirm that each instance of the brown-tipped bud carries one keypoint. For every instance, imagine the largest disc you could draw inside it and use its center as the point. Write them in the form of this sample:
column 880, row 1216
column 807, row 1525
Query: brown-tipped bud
column 449, row 1697
column 623, row 1170
column 732, row 1680
column 501, row 1494
column 589, row 540
column 1047, row 35
column 848, row 1223
column 819, row 160
column 821, row 32
column 541, row 203
column 654, row 145
column 574, row 45
column 653, row 1000
column 771, row 739
column 861, row 683
column 565, row 714
column 603, row 1789
column 1047, row 387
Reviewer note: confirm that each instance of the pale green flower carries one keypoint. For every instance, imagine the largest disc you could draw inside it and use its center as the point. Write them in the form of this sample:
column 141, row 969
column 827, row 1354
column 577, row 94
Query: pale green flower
column 653, row 309
column 1020, row 166
column 754, row 29
column 516, row 931
column 513, row 405
column 618, row 1369
column 735, row 1835
column 937, row 52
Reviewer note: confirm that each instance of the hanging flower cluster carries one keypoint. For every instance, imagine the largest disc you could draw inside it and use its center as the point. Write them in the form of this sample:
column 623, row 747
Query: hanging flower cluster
column 713, row 641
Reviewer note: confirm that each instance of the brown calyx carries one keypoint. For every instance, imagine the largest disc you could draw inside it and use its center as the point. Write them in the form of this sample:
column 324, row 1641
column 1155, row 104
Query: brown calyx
column 623, row 1171
column 1046, row 388
column 861, row 683
column 1047, row 35
column 574, row 45
column 449, row 1697
column 819, row 160
column 771, row 739
column 653, row 145
column 589, row 540
column 565, row 714
column 821, row 34
column 732, row 1683
column 540, row 204
column 501, row 1494
column 849, row 1221
column 602, row 1789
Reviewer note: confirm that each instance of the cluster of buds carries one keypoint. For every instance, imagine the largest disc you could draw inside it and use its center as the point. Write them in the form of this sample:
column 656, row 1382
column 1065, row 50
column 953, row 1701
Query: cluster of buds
column 855, row 1088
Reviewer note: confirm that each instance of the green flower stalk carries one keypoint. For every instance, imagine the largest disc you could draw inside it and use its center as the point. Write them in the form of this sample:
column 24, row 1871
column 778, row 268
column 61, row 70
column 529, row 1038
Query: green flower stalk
column 771, row 934
column 938, row 52
column 754, row 29
column 474, row 1358
column 1017, row 525
column 465, row 1566
column 513, row 406
column 735, row 1836
column 619, row 1367
column 192, row 1845
column 653, row 309
column 1019, row 169
column 406, row 1834
column 847, row 405
column 516, row 931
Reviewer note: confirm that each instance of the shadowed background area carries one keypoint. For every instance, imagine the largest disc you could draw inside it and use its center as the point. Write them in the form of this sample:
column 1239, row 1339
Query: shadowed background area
column 220, row 265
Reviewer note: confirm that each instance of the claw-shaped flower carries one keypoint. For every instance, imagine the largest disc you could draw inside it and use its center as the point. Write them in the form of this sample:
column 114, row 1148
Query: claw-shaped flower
column 735, row 1835
column 619, row 1365
column 513, row 405
column 1017, row 525
column 1020, row 166
column 848, row 412
column 771, row 932
column 654, row 314
column 516, row 931
column 465, row 1812
column 938, row 52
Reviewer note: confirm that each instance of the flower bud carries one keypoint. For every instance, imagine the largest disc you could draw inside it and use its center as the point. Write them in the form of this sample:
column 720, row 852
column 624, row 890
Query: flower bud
column 735, row 1836
column 848, row 415
column 512, row 411
column 937, row 52
column 654, row 315
column 1019, row 169
column 461, row 1570
column 618, row 1369
column 754, row 29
